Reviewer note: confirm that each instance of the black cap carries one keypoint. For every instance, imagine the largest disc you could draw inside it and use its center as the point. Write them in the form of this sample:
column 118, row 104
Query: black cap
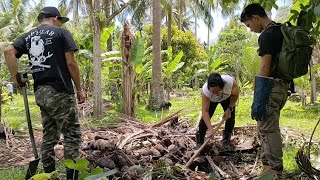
column 52, row 12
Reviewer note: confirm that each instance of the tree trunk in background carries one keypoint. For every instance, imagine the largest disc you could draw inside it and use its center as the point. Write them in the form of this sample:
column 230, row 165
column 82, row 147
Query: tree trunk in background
column 1, row 83
column 113, row 86
column 313, row 96
column 95, row 9
column 169, row 82
column 180, row 18
column 75, row 12
column 182, row 9
column 196, row 23
column 208, row 38
column 127, row 40
column 314, row 60
column 97, row 91
column 169, row 22
column 157, row 92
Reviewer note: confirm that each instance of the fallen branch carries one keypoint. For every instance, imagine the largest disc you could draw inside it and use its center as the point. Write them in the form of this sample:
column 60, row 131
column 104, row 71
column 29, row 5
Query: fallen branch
column 234, row 168
column 255, row 163
column 124, row 142
column 214, row 166
column 126, row 158
column 167, row 119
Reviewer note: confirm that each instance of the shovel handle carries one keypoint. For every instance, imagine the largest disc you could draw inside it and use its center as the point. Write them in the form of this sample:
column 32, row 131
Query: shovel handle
column 197, row 152
column 26, row 105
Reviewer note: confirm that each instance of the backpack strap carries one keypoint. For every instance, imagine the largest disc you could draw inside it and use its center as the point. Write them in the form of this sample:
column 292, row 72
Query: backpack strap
column 273, row 24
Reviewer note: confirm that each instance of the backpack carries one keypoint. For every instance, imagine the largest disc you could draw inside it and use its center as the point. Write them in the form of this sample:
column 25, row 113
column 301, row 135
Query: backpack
column 296, row 51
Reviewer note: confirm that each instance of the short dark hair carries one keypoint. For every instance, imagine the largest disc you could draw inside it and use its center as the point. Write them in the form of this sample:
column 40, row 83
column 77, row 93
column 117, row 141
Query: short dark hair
column 215, row 79
column 42, row 16
column 252, row 9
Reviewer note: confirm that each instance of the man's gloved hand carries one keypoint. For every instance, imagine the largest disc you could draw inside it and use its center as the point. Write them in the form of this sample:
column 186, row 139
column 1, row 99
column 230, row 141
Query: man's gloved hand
column 262, row 90
column 21, row 80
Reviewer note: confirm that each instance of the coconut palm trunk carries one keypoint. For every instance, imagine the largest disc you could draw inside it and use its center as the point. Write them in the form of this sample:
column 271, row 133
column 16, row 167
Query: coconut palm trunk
column 97, row 91
column 157, row 91
column 169, row 24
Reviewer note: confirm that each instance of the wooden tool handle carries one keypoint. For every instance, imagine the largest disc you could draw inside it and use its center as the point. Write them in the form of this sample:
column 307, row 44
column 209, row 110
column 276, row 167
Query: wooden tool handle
column 197, row 152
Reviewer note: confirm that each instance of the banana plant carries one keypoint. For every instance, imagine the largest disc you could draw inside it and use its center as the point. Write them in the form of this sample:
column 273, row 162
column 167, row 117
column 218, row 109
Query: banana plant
column 171, row 66
column 111, row 59
column 137, row 54
column 142, row 65
column 105, row 35
column 216, row 64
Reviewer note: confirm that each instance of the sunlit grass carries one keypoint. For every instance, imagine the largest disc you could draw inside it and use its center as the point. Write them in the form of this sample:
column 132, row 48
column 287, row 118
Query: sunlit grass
column 301, row 119
column 289, row 163
column 17, row 173
column 14, row 114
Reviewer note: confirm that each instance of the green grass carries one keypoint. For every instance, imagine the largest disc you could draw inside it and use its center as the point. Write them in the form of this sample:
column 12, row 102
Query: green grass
column 17, row 173
column 301, row 119
column 293, row 115
column 289, row 162
column 14, row 113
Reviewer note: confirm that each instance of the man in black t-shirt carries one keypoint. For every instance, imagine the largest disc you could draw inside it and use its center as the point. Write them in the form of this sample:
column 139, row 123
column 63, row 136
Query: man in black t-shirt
column 50, row 49
column 270, row 92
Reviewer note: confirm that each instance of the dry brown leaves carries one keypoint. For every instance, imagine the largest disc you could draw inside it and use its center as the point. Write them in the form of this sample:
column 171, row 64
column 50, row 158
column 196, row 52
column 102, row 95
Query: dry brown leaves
column 140, row 151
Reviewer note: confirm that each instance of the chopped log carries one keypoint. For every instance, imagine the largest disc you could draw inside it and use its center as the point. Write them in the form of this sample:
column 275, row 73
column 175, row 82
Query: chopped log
column 167, row 119
column 214, row 166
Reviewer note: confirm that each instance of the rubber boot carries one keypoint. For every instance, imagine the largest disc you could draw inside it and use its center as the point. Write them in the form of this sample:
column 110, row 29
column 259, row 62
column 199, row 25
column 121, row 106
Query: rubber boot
column 72, row 174
column 226, row 145
column 199, row 139
column 50, row 168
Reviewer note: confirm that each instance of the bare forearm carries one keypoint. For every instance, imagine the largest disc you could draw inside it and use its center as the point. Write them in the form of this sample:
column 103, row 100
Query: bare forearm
column 206, row 119
column 75, row 75
column 265, row 65
column 11, row 61
column 73, row 69
column 233, row 100
column 264, row 71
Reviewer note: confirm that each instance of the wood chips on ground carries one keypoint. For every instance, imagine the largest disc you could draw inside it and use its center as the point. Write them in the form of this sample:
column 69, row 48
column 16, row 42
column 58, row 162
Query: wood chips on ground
column 155, row 151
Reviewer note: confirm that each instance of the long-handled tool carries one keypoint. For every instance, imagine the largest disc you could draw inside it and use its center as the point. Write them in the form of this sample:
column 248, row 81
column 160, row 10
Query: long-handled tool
column 197, row 152
column 33, row 165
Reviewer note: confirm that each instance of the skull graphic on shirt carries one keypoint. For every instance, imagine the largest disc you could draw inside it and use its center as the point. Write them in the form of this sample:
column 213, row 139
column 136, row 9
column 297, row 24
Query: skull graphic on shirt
column 36, row 52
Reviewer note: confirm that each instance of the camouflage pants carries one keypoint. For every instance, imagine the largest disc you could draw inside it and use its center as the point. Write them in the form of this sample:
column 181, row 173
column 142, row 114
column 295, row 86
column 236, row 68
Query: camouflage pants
column 269, row 130
column 59, row 116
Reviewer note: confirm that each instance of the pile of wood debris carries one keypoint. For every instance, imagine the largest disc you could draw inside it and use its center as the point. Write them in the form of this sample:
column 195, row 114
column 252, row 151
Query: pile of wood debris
column 159, row 151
